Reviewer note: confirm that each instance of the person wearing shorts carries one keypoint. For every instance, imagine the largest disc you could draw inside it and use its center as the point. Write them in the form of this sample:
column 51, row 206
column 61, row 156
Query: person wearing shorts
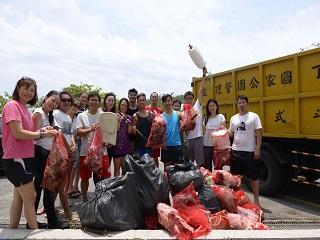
column 18, row 150
column 246, row 130
column 172, row 153
column 122, row 146
column 87, row 122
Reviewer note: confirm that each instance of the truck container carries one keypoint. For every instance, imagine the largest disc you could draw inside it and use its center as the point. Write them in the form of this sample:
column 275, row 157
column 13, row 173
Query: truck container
column 285, row 93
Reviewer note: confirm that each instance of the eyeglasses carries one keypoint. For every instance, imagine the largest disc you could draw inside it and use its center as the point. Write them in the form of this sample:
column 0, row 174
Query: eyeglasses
column 66, row 100
column 93, row 100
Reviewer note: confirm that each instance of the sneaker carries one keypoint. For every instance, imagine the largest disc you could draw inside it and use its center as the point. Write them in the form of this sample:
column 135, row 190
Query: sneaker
column 59, row 225
column 40, row 225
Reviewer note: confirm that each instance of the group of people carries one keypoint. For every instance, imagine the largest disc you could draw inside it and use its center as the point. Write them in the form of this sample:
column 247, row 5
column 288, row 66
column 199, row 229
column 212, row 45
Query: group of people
column 28, row 139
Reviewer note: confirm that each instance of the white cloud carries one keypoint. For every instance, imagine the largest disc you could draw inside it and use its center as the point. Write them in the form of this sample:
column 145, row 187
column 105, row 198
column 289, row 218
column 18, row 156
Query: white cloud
column 122, row 44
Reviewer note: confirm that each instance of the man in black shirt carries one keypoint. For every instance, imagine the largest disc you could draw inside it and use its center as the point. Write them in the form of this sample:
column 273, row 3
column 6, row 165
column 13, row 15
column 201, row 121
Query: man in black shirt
column 133, row 107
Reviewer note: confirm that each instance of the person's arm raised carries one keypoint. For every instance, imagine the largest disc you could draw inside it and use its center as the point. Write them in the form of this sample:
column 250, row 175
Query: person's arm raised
column 201, row 89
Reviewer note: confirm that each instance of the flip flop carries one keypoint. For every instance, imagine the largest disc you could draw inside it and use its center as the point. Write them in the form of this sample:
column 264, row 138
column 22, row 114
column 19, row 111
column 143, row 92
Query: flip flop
column 41, row 211
column 75, row 195
column 71, row 193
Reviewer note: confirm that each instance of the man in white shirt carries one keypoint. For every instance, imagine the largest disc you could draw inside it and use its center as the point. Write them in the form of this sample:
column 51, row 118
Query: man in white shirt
column 246, row 130
column 87, row 122
column 195, row 137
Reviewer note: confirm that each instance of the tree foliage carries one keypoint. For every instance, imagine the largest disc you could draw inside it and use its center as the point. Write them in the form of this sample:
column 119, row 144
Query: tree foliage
column 3, row 100
column 75, row 90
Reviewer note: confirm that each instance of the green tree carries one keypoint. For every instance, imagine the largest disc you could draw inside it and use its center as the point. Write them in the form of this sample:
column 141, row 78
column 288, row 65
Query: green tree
column 75, row 89
column 3, row 100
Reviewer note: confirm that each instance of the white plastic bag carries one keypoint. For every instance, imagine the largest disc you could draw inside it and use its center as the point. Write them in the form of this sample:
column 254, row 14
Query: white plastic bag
column 196, row 57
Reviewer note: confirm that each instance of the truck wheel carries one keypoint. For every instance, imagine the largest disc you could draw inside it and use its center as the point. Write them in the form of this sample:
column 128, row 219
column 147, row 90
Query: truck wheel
column 270, row 173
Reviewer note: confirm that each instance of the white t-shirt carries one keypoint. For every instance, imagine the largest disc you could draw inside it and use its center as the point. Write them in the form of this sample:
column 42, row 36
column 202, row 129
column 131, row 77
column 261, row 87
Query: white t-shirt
column 243, row 127
column 74, row 126
column 46, row 143
column 213, row 124
column 197, row 131
column 85, row 120
column 63, row 121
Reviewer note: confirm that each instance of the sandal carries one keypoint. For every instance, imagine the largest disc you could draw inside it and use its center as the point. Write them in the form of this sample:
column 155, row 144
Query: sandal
column 41, row 211
column 75, row 194
column 71, row 193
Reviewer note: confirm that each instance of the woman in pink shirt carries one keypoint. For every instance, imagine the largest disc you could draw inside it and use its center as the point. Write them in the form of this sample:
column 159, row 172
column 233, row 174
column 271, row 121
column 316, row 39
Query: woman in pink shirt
column 18, row 159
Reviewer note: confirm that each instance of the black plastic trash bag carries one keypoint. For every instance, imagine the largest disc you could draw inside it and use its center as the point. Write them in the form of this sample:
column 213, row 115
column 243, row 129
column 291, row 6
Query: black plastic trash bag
column 115, row 207
column 209, row 199
column 152, row 185
column 181, row 175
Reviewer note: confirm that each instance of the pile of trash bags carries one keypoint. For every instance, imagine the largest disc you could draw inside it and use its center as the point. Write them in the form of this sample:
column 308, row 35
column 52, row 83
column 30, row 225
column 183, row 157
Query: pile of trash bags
column 186, row 201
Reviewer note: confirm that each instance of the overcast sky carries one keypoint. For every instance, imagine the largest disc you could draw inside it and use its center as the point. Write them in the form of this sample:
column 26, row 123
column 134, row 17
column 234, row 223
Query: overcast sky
column 120, row 44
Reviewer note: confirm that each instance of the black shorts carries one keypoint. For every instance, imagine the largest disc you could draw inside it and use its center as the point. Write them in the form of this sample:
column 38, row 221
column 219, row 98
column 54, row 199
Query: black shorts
column 243, row 163
column 173, row 154
column 18, row 174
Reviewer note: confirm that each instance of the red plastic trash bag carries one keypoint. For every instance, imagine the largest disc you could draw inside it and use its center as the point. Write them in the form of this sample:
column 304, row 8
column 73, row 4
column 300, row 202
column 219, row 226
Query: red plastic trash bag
column 238, row 222
column 241, row 198
column 226, row 198
column 255, row 208
column 244, row 212
column 221, row 157
column 171, row 220
column 243, row 223
column 219, row 220
column 190, row 209
column 259, row 226
column 93, row 160
column 205, row 172
column 58, row 165
column 157, row 137
column 188, row 118
column 221, row 139
column 225, row 178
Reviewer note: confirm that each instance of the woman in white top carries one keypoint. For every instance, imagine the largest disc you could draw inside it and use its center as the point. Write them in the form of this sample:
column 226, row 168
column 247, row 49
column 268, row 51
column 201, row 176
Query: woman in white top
column 43, row 117
column 63, row 121
column 213, row 121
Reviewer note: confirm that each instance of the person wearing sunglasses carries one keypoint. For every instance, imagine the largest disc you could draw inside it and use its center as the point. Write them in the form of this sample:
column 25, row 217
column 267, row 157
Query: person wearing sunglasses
column 18, row 148
column 64, row 122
